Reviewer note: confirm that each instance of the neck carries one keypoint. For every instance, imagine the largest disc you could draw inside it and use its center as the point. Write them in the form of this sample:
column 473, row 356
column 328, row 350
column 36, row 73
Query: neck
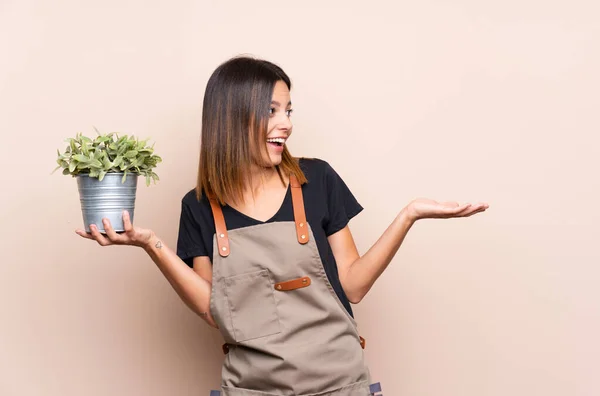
column 261, row 177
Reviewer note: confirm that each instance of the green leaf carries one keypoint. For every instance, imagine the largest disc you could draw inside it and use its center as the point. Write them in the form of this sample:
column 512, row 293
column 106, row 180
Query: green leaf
column 81, row 158
column 65, row 171
column 101, row 176
column 118, row 161
column 95, row 163
column 106, row 162
column 131, row 154
column 108, row 153
column 122, row 149
column 142, row 144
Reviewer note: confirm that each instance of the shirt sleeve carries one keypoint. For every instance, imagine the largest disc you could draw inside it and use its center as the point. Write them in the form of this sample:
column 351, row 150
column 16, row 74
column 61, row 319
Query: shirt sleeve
column 341, row 203
column 189, row 239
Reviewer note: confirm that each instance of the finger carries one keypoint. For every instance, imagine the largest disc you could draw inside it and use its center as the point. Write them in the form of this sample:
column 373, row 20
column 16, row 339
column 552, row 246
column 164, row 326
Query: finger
column 83, row 234
column 110, row 232
column 479, row 210
column 473, row 210
column 101, row 239
column 127, row 222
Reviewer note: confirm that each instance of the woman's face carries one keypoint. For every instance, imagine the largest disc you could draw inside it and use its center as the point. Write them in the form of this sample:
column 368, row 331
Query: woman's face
column 280, row 127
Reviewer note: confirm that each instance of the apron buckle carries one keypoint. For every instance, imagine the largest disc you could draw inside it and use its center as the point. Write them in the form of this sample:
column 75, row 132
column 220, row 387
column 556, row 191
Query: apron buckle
column 374, row 388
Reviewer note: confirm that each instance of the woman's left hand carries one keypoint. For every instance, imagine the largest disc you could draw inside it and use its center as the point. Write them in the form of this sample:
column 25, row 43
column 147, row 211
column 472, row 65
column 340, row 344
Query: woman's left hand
column 423, row 208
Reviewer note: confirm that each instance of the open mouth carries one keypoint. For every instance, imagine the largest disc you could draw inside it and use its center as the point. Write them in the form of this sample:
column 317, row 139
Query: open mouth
column 276, row 142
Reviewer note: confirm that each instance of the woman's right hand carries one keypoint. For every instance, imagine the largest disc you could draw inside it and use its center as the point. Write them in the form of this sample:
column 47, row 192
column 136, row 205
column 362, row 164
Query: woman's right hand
column 133, row 236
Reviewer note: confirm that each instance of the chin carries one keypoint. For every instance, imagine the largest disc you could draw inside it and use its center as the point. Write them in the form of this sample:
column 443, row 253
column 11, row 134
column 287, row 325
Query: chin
column 275, row 159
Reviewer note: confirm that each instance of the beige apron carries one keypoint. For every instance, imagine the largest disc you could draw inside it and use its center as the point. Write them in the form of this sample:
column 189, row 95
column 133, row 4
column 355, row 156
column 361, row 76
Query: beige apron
column 286, row 331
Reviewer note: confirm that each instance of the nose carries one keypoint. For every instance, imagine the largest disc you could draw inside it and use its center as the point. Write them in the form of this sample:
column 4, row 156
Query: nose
column 284, row 124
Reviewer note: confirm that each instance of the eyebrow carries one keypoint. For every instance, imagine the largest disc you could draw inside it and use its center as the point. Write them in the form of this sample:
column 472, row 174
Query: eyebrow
column 279, row 104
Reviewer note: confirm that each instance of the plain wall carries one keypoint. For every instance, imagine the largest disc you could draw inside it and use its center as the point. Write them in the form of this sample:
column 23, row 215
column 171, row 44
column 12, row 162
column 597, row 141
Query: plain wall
column 463, row 100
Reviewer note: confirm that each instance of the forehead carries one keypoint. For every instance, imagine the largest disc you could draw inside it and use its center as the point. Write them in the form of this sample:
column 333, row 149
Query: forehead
column 281, row 93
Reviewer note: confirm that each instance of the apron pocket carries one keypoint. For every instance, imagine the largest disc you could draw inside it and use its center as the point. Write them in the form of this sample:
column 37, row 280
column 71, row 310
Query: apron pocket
column 252, row 305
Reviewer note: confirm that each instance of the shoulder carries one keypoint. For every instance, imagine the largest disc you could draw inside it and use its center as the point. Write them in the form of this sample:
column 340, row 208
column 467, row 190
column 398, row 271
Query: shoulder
column 197, row 213
column 315, row 168
column 319, row 170
column 190, row 201
column 189, row 198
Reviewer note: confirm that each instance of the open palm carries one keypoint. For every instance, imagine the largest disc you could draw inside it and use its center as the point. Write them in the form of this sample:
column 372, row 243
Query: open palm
column 424, row 208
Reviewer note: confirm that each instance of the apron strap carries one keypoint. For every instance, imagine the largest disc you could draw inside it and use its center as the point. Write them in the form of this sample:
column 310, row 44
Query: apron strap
column 299, row 214
column 220, row 227
column 299, row 217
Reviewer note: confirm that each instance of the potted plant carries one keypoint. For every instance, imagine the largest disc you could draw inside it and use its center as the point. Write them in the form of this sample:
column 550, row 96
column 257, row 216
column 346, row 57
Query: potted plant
column 107, row 169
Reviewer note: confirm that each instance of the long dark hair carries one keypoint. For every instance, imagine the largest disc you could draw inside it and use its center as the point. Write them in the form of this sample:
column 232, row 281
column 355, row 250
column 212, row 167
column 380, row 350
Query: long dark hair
column 235, row 117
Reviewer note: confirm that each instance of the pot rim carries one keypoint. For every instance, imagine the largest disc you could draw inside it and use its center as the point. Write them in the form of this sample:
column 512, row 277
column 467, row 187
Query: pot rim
column 110, row 173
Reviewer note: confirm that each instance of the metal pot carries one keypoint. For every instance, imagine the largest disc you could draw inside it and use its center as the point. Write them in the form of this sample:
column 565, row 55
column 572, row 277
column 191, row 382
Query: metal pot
column 107, row 198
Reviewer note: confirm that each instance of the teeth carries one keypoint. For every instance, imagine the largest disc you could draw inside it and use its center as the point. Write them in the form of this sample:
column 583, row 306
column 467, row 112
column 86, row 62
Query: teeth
column 276, row 140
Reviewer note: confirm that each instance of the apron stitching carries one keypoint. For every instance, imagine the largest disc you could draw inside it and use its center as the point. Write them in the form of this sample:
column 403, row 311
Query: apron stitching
column 229, row 310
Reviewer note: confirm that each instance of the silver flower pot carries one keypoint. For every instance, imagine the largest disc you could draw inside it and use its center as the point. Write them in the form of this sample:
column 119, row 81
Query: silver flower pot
column 107, row 198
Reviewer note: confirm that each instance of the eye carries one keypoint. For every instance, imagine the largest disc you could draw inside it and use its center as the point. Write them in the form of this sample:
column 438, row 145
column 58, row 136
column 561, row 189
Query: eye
column 289, row 112
column 272, row 111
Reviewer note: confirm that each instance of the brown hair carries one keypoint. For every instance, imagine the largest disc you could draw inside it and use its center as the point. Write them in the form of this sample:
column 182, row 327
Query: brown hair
column 235, row 116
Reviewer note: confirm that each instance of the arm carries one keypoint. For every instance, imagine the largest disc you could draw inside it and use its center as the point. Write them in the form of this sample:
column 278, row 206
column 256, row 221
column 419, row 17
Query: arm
column 192, row 285
column 358, row 274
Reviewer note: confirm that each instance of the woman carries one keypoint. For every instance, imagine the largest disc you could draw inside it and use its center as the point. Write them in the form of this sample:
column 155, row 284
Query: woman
column 274, row 264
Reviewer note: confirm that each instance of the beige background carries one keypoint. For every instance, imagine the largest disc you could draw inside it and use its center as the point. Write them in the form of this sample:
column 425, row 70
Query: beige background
column 460, row 100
